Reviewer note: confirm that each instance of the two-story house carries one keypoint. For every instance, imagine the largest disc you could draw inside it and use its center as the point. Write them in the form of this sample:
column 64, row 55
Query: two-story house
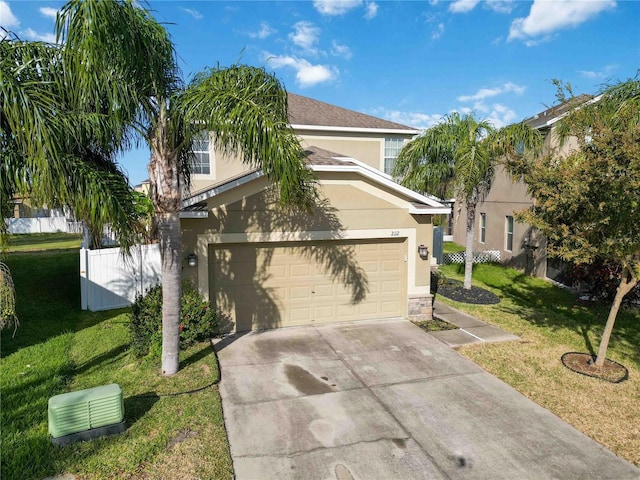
column 496, row 229
column 362, row 254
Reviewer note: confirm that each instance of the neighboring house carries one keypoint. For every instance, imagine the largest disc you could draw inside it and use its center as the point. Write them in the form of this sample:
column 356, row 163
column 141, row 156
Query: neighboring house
column 356, row 257
column 496, row 229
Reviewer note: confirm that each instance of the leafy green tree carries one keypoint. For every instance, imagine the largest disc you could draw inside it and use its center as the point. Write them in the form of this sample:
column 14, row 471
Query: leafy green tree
column 458, row 157
column 244, row 108
column 588, row 203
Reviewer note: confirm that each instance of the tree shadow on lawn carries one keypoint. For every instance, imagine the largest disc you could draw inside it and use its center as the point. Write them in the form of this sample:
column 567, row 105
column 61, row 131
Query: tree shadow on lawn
column 195, row 357
column 47, row 290
column 543, row 304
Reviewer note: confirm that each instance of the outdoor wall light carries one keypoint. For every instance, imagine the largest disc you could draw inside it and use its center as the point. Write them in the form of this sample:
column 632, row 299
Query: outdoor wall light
column 192, row 259
column 423, row 251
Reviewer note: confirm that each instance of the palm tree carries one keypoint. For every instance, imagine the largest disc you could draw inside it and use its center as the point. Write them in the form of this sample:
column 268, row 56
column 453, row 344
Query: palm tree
column 52, row 151
column 244, row 108
column 458, row 157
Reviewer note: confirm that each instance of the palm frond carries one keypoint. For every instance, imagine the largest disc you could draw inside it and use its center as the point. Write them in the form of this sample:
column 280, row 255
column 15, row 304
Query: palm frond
column 245, row 108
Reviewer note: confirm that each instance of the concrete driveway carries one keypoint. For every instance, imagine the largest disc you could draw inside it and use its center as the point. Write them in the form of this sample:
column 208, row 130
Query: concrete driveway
column 384, row 400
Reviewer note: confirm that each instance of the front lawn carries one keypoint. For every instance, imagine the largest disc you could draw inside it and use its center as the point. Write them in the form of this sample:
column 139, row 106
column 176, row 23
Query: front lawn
column 550, row 322
column 451, row 247
column 59, row 348
column 29, row 242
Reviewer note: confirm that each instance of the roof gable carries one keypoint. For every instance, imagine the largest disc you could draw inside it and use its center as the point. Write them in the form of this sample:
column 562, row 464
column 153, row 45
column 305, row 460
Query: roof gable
column 321, row 160
column 551, row 115
column 304, row 111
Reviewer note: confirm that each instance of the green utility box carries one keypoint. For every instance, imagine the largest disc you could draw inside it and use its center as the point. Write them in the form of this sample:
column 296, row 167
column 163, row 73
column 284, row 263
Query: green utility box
column 86, row 414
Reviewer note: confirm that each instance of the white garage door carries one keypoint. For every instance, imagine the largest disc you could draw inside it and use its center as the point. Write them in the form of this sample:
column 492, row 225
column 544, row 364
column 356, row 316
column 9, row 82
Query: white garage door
column 269, row 285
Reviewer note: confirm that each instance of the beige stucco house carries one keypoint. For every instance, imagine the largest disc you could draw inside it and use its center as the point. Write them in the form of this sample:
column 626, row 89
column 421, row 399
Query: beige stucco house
column 356, row 257
column 496, row 229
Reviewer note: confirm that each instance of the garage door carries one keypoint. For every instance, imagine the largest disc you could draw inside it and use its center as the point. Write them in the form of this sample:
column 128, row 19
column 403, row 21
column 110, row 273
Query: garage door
column 270, row 285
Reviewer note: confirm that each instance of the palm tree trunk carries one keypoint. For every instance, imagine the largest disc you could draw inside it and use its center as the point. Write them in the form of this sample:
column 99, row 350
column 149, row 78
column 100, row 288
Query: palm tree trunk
column 468, row 257
column 171, row 248
column 626, row 284
column 165, row 193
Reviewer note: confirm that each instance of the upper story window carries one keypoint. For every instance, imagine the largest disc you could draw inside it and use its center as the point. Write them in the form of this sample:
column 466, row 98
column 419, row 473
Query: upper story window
column 201, row 164
column 392, row 147
column 483, row 227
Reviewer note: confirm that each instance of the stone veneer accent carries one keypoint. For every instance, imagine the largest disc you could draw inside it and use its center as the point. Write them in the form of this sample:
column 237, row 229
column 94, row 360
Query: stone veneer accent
column 421, row 308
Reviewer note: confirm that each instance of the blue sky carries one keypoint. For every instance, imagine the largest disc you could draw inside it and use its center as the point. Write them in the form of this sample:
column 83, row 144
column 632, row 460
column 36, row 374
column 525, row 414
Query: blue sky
column 410, row 62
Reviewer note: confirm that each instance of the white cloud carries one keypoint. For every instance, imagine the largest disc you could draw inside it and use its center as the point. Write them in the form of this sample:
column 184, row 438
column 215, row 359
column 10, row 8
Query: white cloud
column 338, row 50
column 193, row 12
column 484, row 93
column 498, row 114
column 48, row 12
column 264, row 32
column 372, row 10
column 31, row 34
column 501, row 116
column 307, row 74
column 417, row 120
column 305, row 35
column 606, row 72
column 7, row 18
column 480, row 107
column 463, row 6
column 336, row 7
column 437, row 32
column 500, row 6
column 547, row 17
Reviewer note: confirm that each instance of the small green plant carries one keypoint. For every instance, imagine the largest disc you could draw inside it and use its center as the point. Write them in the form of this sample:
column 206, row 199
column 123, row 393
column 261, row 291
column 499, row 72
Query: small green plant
column 198, row 321
column 8, row 316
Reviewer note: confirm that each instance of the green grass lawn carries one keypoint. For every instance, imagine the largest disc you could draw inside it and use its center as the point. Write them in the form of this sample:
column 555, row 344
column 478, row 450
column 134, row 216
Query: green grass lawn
column 59, row 348
column 550, row 322
column 450, row 247
column 30, row 242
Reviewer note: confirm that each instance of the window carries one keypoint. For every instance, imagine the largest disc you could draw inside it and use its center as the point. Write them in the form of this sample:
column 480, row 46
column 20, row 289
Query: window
column 392, row 147
column 483, row 227
column 509, row 233
column 201, row 164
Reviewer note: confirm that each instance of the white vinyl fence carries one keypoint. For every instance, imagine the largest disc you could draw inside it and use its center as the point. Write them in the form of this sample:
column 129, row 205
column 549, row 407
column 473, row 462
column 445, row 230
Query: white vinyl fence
column 36, row 225
column 108, row 280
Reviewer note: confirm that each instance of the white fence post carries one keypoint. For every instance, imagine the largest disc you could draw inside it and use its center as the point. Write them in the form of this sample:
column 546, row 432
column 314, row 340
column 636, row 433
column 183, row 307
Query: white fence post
column 84, row 301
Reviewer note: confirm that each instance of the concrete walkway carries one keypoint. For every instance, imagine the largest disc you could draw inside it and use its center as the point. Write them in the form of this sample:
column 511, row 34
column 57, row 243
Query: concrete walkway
column 385, row 400
column 470, row 329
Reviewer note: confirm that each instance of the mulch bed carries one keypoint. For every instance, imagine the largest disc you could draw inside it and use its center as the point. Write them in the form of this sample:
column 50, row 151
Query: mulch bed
column 454, row 290
column 584, row 363
column 435, row 325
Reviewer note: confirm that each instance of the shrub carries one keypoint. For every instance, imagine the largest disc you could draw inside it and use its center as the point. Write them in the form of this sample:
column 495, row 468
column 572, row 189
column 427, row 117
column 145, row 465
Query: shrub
column 198, row 321
column 600, row 280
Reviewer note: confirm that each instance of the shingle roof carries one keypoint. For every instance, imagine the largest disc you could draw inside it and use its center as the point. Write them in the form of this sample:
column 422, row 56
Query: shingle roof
column 319, row 156
column 321, row 160
column 541, row 119
column 313, row 156
column 307, row 111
